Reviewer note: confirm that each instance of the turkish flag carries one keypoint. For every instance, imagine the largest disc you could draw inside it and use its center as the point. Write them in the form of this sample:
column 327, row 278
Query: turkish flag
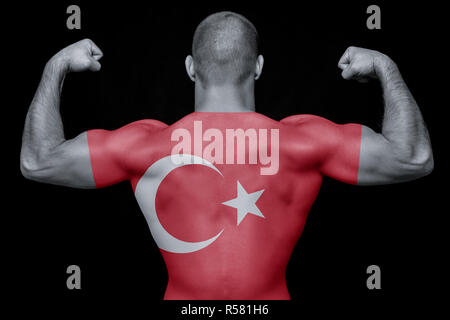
column 226, row 195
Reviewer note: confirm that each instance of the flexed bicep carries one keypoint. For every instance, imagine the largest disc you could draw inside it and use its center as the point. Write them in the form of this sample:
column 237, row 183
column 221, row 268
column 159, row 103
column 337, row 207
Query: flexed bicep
column 402, row 150
column 67, row 164
column 46, row 155
column 381, row 162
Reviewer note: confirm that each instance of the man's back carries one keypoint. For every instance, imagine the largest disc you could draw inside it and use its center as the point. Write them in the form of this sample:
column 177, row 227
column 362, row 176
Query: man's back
column 226, row 195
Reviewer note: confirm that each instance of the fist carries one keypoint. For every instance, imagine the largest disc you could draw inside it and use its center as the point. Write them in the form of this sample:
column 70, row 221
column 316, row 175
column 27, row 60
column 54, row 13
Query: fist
column 80, row 56
column 362, row 64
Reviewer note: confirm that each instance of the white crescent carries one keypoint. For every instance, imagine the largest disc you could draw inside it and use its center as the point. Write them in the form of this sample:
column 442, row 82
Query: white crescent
column 145, row 193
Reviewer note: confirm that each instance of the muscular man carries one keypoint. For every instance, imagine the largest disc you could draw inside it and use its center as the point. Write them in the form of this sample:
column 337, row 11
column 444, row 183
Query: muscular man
column 225, row 190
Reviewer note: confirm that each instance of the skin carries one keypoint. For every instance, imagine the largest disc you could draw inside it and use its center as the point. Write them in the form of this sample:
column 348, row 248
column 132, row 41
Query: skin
column 226, row 98
column 400, row 152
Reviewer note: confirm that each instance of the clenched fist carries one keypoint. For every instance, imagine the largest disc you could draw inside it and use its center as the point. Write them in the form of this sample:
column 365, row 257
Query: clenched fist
column 80, row 56
column 362, row 64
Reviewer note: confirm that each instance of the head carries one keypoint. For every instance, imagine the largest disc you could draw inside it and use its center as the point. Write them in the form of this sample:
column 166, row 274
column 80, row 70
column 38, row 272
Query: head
column 224, row 51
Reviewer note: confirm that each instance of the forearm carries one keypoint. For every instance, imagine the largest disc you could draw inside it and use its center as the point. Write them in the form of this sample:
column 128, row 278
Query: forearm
column 403, row 124
column 43, row 129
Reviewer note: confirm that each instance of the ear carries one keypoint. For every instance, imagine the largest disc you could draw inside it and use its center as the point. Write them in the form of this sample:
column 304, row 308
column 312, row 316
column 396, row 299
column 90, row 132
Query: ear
column 259, row 66
column 189, row 62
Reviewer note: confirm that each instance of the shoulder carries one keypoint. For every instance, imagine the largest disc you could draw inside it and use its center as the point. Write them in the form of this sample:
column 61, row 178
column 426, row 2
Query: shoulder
column 322, row 132
column 144, row 125
column 137, row 128
column 308, row 120
column 125, row 135
column 312, row 127
column 317, row 123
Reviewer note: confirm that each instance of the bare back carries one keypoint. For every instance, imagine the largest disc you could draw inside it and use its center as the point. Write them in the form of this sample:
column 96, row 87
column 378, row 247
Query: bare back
column 226, row 195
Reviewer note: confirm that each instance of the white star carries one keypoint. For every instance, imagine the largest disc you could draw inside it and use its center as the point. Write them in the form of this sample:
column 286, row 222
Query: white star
column 245, row 203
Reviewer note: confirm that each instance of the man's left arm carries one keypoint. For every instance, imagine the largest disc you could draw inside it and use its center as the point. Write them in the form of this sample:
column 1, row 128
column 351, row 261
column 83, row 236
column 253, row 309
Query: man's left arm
column 46, row 156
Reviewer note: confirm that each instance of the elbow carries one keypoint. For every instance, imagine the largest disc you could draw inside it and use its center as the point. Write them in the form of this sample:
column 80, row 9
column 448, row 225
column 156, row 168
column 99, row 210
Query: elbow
column 41, row 165
column 31, row 168
column 424, row 162
column 421, row 165
column 427, row 166
column 28, row 169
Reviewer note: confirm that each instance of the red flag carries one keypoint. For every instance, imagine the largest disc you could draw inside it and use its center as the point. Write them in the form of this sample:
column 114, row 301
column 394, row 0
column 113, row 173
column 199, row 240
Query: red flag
column 226, row 195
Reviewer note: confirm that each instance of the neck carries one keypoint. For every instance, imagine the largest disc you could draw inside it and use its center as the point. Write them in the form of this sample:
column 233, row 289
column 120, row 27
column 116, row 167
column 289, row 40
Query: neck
column 225, row 98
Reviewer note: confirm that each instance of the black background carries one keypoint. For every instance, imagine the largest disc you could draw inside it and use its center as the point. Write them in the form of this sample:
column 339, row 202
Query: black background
column 397, row 227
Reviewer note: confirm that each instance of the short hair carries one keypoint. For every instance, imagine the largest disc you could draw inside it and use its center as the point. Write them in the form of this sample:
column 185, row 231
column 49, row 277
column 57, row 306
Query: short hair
column 225, row 48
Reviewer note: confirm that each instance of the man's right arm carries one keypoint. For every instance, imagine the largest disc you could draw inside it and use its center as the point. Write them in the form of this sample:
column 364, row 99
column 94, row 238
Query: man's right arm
column 46, row 156
column 402, row 150
column 356, row 154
